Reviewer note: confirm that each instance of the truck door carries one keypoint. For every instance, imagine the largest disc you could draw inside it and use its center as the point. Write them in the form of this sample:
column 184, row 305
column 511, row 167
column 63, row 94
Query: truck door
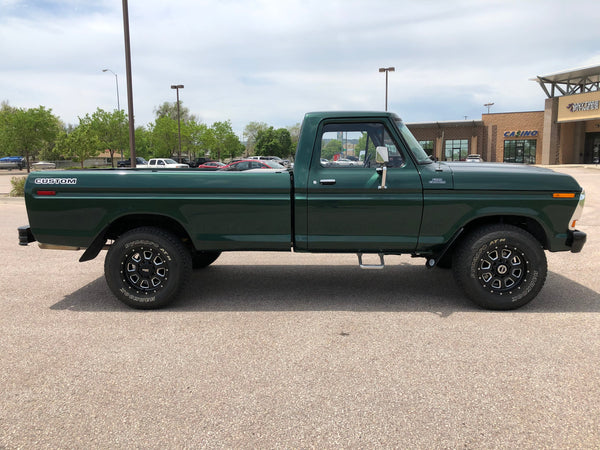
column 348, row 209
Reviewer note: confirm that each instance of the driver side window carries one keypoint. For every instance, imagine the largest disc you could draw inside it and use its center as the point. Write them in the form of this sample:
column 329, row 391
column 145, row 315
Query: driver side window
column 352, row 145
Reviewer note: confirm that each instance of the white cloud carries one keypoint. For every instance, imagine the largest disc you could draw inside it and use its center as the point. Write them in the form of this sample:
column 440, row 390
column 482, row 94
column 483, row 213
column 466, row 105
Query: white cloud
column 271, row 61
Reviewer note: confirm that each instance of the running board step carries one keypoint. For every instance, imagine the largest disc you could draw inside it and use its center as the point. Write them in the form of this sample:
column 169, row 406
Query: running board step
column 381, row 264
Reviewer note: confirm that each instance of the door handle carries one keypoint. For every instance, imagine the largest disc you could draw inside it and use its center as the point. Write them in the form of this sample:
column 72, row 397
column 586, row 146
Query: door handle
column 328, row 181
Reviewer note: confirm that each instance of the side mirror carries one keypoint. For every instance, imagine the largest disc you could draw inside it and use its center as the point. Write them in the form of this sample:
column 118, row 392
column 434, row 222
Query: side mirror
column 383, row 156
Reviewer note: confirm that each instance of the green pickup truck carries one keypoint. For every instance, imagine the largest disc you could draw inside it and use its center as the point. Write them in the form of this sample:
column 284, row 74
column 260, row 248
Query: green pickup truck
column 361, row 184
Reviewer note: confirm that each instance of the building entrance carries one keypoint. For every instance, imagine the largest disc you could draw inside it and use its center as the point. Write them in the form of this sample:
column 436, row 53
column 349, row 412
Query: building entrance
column 591, row 153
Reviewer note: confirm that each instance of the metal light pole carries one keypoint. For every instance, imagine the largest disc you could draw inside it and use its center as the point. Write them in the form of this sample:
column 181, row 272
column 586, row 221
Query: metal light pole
column 129, row 84
column 386, row 70
column 177, row 87
column 117, row 83
column 488, row 106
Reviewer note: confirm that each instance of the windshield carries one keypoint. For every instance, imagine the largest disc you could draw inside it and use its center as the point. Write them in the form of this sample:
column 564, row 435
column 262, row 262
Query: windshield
column 412, row 143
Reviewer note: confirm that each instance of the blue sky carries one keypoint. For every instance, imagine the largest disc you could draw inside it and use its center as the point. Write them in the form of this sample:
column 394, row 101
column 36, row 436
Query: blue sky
column 274, row 60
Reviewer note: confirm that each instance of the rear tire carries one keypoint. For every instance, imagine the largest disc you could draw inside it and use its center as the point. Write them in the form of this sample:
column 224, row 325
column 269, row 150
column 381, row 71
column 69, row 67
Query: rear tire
column 147, row 267
column 500, row 267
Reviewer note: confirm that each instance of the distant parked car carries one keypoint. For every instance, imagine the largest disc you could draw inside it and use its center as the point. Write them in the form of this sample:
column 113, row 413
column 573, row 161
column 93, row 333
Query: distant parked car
column 345, row 162
column 127, row 162
column 163, row 163
column 211, row 165
column 181, row 160
column 283, row 162
column 474, row 158
column 198, row 161
column 42, row 165
column 250, row 164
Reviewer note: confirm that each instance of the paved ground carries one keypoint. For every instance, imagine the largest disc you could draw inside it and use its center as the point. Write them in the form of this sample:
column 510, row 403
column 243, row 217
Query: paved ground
column 6, row 176
column 288, row 351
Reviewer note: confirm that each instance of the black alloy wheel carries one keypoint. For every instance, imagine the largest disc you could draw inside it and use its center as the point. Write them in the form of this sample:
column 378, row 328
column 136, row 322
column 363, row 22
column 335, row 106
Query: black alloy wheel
column 147, row 267
column 500, row 267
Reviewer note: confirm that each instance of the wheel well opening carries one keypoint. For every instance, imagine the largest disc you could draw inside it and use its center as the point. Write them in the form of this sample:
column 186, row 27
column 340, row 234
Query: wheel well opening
column 124, row 224
column 525, row 223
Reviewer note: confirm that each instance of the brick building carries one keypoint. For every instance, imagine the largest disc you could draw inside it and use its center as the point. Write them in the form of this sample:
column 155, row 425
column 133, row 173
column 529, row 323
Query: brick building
column 567, row 131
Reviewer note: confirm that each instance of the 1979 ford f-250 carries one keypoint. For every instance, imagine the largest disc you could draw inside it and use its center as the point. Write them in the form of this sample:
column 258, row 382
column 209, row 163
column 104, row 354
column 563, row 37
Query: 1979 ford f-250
column 490, row 222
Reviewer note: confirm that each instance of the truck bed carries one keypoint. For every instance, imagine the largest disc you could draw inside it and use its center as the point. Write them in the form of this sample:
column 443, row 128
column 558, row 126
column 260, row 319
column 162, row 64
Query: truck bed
column 219, row 210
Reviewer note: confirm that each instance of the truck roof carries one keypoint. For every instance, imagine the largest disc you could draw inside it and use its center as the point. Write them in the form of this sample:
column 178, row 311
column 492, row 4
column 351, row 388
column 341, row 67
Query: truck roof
column 349, row 114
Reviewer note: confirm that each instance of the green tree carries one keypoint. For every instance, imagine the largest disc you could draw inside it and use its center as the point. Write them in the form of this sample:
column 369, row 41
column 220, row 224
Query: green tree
column 195, row 138
column 110, row 128
column 143, row 143
column 331, row 148
column 169, row 109
column 223, row 141
column 272, row 142
column 25, row 132
column 164, row 137
column 295, row 135
column 80, row 144
column 285, row 142
column 250, row 133
column 365, row 144
column 6, row 112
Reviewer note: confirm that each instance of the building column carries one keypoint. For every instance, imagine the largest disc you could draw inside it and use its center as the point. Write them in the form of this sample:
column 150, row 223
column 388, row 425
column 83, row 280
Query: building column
column 439, row 147
column 474, row 148
column 550, row 144
column 578, row 144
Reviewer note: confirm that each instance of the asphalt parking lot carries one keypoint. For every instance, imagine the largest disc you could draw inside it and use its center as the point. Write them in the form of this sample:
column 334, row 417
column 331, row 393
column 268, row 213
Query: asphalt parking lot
column 276, row 350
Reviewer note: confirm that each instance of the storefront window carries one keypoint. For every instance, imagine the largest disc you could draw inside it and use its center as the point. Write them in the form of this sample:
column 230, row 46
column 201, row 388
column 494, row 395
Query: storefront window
column 456, row 149
column 522, row 152
column 427, row 146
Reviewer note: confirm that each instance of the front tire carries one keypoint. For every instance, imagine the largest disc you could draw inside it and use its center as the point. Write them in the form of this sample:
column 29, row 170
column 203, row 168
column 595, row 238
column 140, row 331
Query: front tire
column 500, row 267
column 147, row 267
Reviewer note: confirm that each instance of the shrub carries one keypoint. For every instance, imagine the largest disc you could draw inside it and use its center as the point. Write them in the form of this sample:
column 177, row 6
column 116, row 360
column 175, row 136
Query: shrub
column 18, row 184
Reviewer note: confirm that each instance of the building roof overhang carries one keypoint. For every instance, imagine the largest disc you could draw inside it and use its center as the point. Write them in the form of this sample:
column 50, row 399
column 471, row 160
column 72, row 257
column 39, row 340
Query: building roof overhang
column 446, row 124
column 574, row 81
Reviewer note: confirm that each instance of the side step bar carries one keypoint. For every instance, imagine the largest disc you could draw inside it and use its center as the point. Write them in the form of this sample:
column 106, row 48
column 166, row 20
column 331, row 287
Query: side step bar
column 362, row 265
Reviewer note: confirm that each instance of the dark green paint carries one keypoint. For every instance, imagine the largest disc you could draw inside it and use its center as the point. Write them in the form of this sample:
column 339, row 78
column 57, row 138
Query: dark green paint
column 421, row 209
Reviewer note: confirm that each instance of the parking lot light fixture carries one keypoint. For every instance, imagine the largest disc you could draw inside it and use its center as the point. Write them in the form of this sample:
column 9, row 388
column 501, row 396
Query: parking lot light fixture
column 117, row 83
column 386, row 70
column 177, row 87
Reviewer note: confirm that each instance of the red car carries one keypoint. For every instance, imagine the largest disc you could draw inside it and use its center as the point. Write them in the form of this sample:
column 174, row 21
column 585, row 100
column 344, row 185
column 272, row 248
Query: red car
column 250, row 164
column 211, row 165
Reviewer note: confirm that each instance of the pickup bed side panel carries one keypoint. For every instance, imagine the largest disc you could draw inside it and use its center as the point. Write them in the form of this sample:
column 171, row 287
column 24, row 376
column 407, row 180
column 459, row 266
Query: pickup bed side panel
column 218, row 210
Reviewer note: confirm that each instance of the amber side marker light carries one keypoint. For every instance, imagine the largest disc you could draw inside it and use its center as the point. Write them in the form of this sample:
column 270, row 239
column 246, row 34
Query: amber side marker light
column 563, row 195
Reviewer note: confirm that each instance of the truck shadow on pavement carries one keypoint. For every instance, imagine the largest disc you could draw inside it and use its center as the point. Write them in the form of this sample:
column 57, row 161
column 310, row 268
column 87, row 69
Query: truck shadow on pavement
column 398, row 288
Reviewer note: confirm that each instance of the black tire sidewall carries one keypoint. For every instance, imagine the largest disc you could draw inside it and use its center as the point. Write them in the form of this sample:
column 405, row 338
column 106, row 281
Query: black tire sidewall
column 468, row 256
column 177, row 256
